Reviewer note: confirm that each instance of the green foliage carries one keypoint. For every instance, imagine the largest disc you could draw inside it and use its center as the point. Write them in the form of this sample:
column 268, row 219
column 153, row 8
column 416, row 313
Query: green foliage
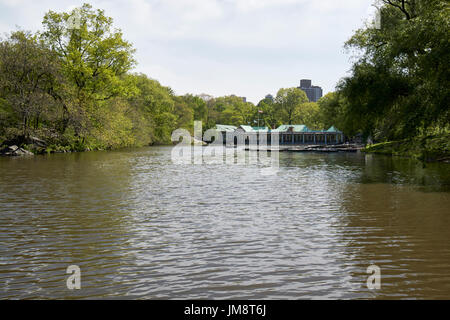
column 157, row 105
column 425, row 148
column 94, row 57
column 400, row 84
column 230, row 110
column 288, row 102
column 308, row 113
column 239, row 112
column 93, row 53
column 267, row 111
column 197, row 105
column 72, row 88
column 28, row 71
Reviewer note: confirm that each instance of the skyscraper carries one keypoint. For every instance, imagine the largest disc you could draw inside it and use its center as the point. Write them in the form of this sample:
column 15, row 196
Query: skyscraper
column 313, row 93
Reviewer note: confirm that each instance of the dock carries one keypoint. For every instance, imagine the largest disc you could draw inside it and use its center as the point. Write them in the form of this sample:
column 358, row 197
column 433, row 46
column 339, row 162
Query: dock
column 308, row 148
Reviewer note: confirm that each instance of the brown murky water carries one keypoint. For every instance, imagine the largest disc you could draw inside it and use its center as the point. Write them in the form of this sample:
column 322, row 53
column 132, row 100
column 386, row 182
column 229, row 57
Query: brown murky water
column 140, row 226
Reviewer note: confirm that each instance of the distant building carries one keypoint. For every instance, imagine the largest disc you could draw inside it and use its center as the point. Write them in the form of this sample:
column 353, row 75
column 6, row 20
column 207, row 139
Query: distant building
column 244, row 99
column 269, row 97
column 313, row 93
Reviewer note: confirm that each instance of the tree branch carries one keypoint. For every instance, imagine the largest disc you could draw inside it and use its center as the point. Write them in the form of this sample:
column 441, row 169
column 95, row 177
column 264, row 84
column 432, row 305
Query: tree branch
column 401, row 7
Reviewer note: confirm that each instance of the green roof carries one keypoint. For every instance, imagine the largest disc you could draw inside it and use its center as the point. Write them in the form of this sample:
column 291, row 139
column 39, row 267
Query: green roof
column 298, row 128
column 246, row 128
column 254, row 129
column 333, row 129
column 295, row 128
column 222, row 127
column 261, row 129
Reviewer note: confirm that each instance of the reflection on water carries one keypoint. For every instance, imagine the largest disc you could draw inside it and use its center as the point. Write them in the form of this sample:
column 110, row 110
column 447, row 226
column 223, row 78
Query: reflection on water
column 141, row 227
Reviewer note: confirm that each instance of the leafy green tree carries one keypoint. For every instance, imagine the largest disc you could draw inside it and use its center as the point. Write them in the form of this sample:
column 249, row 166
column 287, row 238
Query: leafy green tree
column 94, row 54
column 198, row 105
column 184, row 114
column 288, row 102
column 28, row 71
column 156, row 103
column 334, row 111
column 330, row 108
column 400, row 86
column 230, row 110
column 94, row 57
column 308, row 114
column 267, row 111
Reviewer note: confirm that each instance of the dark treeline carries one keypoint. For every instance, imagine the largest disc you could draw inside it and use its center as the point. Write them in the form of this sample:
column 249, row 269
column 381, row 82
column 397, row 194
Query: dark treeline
column 71, row 85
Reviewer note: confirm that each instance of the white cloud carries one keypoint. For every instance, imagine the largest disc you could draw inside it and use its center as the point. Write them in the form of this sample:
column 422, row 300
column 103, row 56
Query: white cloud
column 12, row 3
column 252, row 5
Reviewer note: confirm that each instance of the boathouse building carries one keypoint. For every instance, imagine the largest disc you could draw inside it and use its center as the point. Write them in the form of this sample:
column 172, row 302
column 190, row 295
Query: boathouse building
column 286, row 134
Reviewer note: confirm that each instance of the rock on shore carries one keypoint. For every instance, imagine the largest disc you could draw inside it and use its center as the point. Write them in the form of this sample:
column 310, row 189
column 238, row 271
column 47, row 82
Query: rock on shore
column 15, row 151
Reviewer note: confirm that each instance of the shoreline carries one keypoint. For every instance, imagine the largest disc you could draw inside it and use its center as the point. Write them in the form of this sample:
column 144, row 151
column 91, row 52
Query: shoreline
column 426, row 149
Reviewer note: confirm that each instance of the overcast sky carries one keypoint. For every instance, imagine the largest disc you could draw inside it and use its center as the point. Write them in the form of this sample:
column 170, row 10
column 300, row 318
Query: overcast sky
column 221, row 47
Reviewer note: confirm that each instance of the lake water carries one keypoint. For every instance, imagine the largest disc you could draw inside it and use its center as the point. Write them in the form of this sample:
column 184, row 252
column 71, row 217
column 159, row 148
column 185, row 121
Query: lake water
column 140, row 226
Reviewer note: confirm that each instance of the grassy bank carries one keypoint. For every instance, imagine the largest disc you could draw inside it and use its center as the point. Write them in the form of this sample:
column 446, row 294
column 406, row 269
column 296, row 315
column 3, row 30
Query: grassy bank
column 430, row 148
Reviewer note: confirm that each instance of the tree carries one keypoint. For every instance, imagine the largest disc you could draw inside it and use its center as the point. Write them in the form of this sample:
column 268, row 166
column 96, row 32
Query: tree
column 198, row 105
column 28, row 72
column 330, row 108
column 308, row 114
column 156, row 104
column 334, row 111
column 400, row 86
column 269, row 113
column 184, row 114
column 288, row 102
column 94, row 57
column 230, row 110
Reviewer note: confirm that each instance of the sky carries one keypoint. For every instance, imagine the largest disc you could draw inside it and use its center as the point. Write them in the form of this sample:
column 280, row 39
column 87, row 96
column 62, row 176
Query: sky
column 249, row 48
